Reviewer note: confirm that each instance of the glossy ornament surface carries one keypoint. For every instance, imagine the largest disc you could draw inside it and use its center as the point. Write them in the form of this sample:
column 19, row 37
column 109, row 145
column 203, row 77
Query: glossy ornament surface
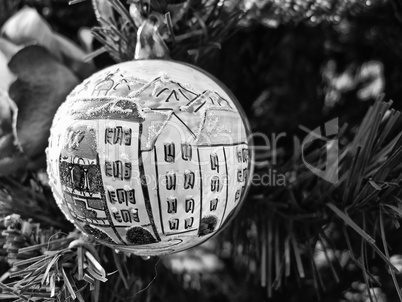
column 150, row 156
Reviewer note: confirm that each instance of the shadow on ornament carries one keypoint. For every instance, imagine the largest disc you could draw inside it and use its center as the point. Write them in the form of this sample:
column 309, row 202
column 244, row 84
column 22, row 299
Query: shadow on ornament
column 139, row 236
column 207, row 225
column 98, row 234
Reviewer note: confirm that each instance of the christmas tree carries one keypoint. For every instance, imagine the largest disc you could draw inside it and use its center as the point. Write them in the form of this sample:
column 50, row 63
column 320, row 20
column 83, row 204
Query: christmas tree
column 318, row 82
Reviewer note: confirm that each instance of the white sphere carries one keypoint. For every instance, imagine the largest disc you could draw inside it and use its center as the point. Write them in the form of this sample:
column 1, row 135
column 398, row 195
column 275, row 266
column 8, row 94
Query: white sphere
column 149, row 157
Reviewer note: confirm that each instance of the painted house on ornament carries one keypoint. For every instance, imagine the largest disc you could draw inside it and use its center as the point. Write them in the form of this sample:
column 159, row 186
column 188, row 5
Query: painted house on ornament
column 144, row 170
column 200, row 158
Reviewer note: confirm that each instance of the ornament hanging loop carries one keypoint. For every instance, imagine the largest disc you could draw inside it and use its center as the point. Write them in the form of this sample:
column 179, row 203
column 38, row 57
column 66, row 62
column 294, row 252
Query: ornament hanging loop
column 150, row 44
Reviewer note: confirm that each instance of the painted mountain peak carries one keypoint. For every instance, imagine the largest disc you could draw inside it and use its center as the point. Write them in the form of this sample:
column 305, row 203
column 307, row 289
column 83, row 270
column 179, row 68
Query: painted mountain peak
column 207, row 99
column 162, row 92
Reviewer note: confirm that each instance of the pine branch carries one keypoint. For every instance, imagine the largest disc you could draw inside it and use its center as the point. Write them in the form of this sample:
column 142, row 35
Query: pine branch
column 33, row 201
column 48, row 264
column 191, row 30
column 307, row 207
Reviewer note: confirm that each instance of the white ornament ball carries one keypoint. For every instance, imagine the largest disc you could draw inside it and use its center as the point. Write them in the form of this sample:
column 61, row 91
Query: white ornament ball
column 150, row 157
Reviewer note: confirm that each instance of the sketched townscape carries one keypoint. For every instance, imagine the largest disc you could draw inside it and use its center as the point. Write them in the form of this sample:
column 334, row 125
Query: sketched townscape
column 143, row 162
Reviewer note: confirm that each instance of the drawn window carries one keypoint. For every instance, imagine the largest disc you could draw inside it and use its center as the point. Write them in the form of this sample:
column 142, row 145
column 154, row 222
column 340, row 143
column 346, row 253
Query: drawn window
column 131, row 196
column 214, row 204
column 121, row 196
column 189, row 178
column 239, row 155
column 116, row 215
column 127, row 136
column 125, row 196
column 126, row 216
column 171, row 181
column 172, row 205
column 214, row 162
column 239, row 175
column 215, row 184
column 189, row 205
column 238, row 194
column 112, row 196
column 245, row 155
column 186, row 151
column 188, row 222
column 134, row 214
column 245, row 174
column 169, row 152
column 174, row 224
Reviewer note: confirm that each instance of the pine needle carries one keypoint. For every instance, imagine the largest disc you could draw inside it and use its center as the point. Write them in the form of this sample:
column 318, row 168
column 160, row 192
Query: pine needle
column 36, row 276
column 366, row 237
column 351, row 223
column 385, row 245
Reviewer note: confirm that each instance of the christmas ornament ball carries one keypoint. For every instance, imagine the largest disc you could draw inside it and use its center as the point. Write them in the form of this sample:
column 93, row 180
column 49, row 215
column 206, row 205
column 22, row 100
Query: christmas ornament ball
column 149, row 156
